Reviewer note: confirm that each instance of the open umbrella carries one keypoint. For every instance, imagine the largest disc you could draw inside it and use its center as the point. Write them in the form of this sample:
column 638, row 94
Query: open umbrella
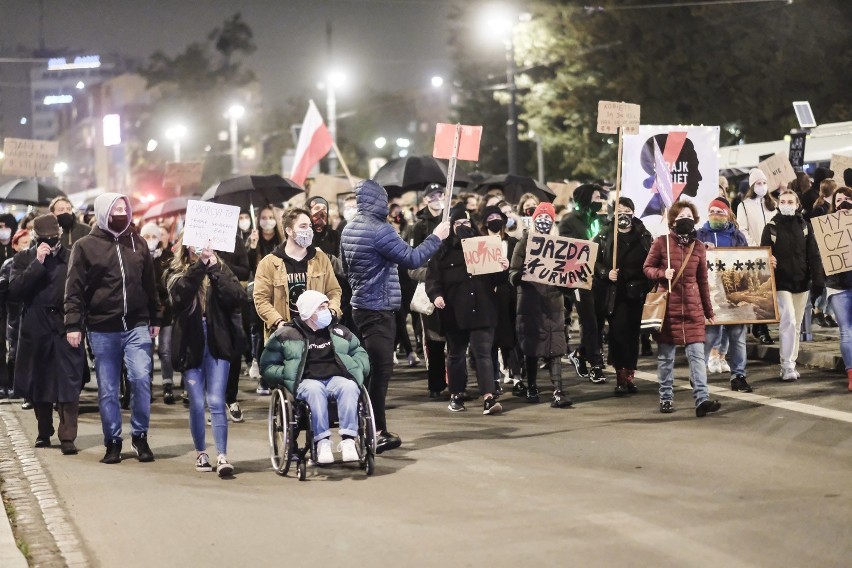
column 168, row 208
column 249, row 191
column 415, row 173
column 515, row 186
column 26, row 191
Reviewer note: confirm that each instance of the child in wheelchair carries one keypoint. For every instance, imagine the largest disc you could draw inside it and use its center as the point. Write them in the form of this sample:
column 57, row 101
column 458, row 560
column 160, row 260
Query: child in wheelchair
column 317, row 358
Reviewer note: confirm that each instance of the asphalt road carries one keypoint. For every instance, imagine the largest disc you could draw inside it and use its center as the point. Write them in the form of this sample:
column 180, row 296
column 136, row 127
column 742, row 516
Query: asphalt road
column 611, row 482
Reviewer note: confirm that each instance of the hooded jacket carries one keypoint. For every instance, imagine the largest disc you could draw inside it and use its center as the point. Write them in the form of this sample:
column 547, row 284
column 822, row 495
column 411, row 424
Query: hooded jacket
column 371, row 250
column 730, row 236
column 111, row 284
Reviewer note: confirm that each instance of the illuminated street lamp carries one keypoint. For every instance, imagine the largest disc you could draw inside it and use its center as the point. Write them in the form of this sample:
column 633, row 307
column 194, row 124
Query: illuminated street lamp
column 381, row 142
column 235, row 112
column 175, row 134
column 334, row 80
column 500, row 21
column 437, row 81
column 59, row 169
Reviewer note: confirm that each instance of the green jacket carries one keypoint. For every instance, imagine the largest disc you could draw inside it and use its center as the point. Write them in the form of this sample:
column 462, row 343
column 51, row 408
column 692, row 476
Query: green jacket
column 283, row 360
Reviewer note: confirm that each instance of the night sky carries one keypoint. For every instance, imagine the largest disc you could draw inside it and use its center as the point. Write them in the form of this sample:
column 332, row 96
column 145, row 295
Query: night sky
column 386, row 43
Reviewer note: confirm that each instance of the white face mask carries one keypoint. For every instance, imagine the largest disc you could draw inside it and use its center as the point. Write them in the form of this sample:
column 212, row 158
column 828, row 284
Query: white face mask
column 436, row 205
column 5, row 234
column 760, row 189
column 786, row 209
column 152, row 245
column 244, row 224
column 349, row 213
column 267, row 224
column 303, row 238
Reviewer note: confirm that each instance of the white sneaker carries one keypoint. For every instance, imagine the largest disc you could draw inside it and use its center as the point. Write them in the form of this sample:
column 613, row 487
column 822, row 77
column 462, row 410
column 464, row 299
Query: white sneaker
column 254, row 370
column 714, row 365
column 324, row 455
column 348, row 449
column 223, row 468
column 395, row 359
column 789, row 375
column 724, row 366
column 235, row 412
column 262, row 390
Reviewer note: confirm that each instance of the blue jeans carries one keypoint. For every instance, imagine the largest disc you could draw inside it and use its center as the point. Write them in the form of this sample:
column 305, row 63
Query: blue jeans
column 164, row 351
column 736, row 345
column 134, row 348
column 209, row 380
column 842, row 305
column 317, row 392
column 697, row 371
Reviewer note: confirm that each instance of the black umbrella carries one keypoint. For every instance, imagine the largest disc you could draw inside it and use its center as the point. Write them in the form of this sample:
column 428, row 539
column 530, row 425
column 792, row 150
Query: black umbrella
column 515, row 186
column 415, row 173
column 168, row 208
column 28, row 192
column 250, row 191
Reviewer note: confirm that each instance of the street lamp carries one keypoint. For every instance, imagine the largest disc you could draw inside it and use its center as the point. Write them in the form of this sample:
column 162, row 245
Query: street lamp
column 437, row 81
column 500, row 21
column 235, row 112
column 175, row 133
column 381, row 142
column 334, row 80
column 59, row 170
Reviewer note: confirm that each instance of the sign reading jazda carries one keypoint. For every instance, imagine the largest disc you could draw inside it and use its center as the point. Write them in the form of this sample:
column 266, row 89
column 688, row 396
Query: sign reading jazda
column 560, row 261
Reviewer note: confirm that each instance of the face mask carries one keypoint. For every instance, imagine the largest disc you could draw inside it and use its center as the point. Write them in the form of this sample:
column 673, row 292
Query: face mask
column 494, row 225
column 684, row 226
column 436, row 205
column 543, row 224
column 465, row 232
column 717, row 222
column 510, row 223
column 267, row 224
column 117, row 223
column 397, row 218
column 349, row 213
column 845, row 205
column 152, row 245
column 244, row 225
column 50, row 241
column 303, row 238
column 786, row 209
column 528, row 212
column 625, row 220
column 595, row 206
column 66, row 220
column 197, row 250
column 760, row 190
column 5, row 234
column 323, row 318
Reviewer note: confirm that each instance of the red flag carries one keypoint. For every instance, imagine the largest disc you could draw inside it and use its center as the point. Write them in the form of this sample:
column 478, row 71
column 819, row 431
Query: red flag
column 314, row 143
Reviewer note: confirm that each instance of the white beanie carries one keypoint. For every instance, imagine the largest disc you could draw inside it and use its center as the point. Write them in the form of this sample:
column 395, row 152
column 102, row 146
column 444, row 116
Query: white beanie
column 150, row 229
column 308, row 303
column 755, row 175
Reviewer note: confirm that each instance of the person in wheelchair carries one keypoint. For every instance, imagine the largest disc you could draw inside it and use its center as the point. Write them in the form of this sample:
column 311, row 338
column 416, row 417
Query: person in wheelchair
column 317, row 358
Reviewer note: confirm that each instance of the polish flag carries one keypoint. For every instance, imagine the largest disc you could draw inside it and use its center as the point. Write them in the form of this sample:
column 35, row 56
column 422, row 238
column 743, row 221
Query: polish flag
column 314, row 143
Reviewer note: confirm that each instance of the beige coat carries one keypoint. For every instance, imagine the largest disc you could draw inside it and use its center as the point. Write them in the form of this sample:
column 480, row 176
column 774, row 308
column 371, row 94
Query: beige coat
column 272, row 292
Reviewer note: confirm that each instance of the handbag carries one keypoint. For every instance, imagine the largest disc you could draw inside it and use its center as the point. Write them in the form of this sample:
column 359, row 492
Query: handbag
column 420, row 302
column 656, row 302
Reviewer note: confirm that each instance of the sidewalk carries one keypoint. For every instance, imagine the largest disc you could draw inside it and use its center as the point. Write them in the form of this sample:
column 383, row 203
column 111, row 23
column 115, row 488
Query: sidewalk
column 821, row 353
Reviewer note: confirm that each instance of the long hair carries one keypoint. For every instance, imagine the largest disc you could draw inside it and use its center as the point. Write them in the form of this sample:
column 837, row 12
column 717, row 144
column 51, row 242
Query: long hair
column 180, row 264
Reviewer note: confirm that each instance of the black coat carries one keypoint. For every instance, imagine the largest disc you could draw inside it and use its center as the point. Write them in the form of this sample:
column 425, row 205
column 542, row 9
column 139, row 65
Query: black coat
column 541, row 311
column 225, row 297
column 47, row 368
column 161, row 266
column 633, row 248
column 506, row 298
column 417, row 234
column 799, row 265
column 77, row 232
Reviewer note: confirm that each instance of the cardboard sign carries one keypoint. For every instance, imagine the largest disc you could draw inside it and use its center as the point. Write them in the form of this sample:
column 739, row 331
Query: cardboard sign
column 833, row 234
column 445, row 135
column 778, row 169
column 612, row 115
column 838, row 165
column 482, row 254
column 29, row 158
column 742, row 285
column 211, row 224
column 560, row 261
column 182, row 174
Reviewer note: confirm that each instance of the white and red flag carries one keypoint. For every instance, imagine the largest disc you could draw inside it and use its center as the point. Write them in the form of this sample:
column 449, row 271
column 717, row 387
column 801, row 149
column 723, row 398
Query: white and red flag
column 314, row 143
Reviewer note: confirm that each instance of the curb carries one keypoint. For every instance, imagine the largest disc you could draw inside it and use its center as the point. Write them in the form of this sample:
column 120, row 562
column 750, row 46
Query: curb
column 819, row 359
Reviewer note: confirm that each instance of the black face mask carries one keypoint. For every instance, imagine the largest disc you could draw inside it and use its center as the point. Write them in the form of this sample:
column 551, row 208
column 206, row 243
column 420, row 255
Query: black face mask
column 117, row 223
column 595, row 206
column 49, row 241
column 494, row 225
column 529, row 211
column 684, row 226
column 397, row 218
column 66, row 221
column 465, row 232
column 625, row 220
column 845, row 205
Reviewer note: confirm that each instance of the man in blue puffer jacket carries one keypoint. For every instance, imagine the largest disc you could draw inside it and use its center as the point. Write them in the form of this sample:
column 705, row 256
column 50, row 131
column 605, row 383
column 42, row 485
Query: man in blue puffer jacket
column 371, row 250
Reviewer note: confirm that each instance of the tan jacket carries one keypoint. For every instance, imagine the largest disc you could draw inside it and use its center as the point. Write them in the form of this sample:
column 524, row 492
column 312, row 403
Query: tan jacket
column 272, row 292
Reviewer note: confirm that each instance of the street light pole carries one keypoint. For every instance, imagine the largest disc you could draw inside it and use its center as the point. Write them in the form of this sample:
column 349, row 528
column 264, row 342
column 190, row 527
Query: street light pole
column 331, row 110
column 175, row 133
column 512, row 122
column 234, row 113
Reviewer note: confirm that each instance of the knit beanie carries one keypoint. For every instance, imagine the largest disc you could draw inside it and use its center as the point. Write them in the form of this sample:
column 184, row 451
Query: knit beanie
column 546, row 209
column 755, row 175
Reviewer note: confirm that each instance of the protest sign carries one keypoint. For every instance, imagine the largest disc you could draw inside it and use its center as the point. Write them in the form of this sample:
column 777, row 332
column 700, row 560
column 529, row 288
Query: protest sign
column 29, row 158
column 482, row 254
column 833, row 233
column 611, row 115
column 210, row 224
column 797, row 150
column 445, row 135
column 742, row 285
column 778, row 169
column 182, row 174
column 838, row 166
column 560, row 261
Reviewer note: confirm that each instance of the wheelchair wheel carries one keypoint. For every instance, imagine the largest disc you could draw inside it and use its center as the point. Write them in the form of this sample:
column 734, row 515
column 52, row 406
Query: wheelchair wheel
column 366, row 432
column 370, row 468
column 280, row 432
column 302, row 470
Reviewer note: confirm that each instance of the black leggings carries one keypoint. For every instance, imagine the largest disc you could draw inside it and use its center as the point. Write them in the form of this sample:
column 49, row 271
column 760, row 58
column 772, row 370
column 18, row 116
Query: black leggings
column 531, row 364
column 480, row 341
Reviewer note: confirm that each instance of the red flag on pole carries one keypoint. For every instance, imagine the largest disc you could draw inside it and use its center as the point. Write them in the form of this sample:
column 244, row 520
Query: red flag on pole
column 314, row 143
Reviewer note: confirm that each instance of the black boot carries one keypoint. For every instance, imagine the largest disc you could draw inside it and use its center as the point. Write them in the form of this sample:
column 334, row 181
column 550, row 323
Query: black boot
column 168, row 394
column 113, row 453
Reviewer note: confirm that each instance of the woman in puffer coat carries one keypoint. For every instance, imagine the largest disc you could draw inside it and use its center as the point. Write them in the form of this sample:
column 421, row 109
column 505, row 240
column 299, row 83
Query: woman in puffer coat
column 688, row 305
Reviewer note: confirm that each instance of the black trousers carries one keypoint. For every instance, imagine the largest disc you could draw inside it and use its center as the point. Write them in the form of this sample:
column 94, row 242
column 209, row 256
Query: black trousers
column 555, row 369
column 480, row 342
column 589, row 334
column 624, row 331
column 436, row 365
column 68, row 412
column 378, row 330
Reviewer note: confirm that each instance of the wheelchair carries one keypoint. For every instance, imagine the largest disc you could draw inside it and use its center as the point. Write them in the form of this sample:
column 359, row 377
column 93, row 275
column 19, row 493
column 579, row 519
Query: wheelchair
column 291, row 436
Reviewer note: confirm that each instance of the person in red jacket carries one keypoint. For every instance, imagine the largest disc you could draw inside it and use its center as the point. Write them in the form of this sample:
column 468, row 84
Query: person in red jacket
column 688, row 305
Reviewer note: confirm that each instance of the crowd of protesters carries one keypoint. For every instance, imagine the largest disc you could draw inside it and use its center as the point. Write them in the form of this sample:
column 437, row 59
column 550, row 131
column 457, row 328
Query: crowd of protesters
column 114, row 291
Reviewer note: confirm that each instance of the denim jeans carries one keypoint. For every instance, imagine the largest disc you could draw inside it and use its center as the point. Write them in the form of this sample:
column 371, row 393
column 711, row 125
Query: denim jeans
column 736, row 345
column 317, row 392
column 842, row 305
column 164, row 352
column 208, row 381
column 109, row 349
column 697, row 371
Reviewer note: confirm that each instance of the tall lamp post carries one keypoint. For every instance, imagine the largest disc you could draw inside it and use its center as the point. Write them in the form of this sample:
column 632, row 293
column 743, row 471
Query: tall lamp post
column 334, row 80
column 175, row 133
column 235, row 112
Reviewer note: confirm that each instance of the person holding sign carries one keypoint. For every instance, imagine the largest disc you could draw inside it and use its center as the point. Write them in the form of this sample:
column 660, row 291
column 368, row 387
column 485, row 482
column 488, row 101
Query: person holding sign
column 204, row 294
column 541, row 323
column 798, row 269
column 468, row 312
column 839, row 288
column 679, row 262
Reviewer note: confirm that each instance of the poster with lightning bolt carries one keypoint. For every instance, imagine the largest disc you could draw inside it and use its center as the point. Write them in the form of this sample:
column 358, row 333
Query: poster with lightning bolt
column 482, row 254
